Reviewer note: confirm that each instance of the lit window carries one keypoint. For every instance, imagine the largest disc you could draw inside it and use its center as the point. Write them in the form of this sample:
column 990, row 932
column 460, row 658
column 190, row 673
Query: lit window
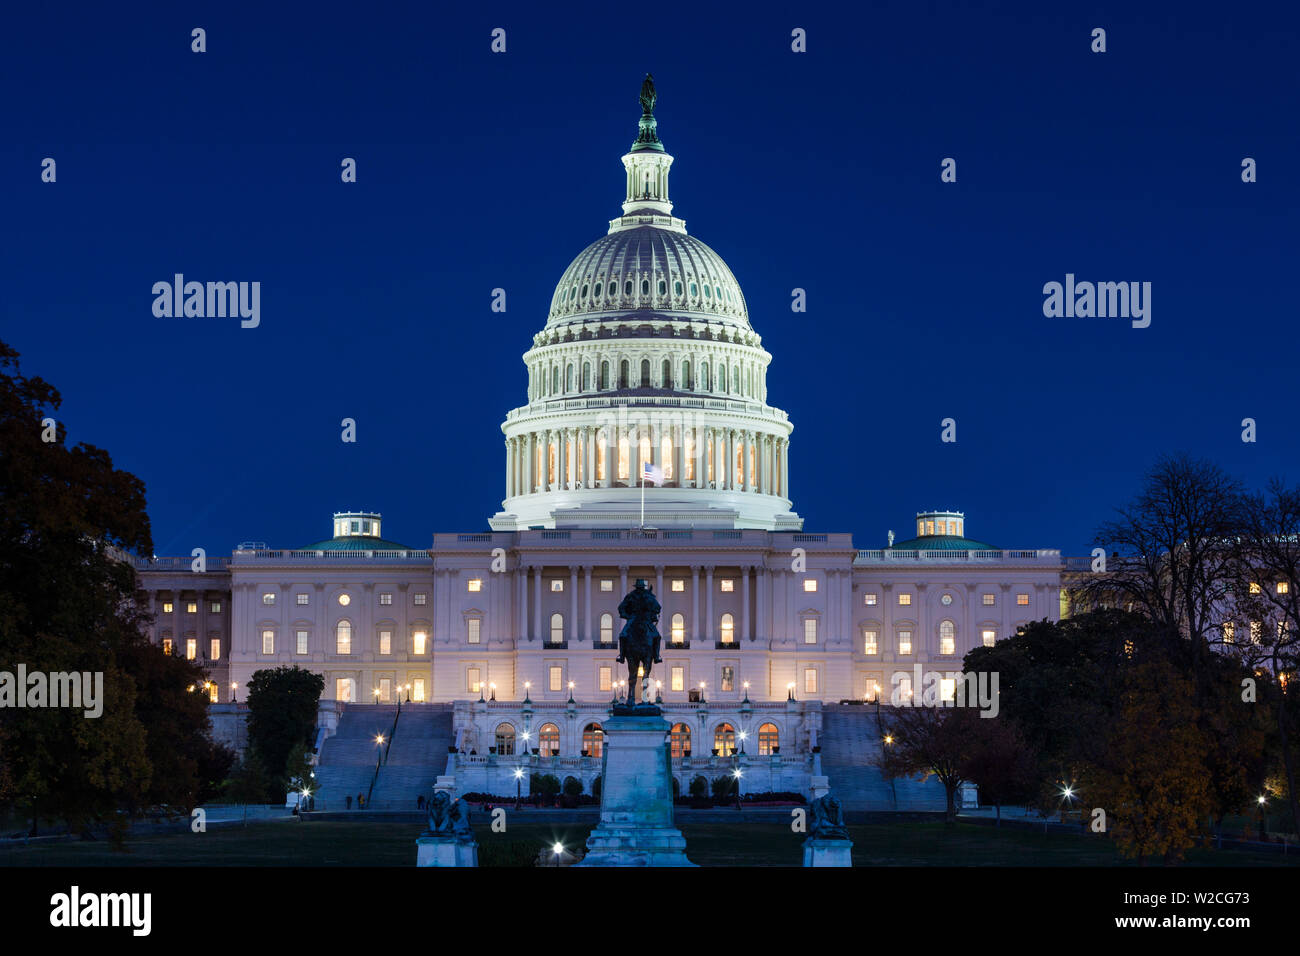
column 386, row 598
column 417, row 690
column 593, row 740
column 167, row 645
column 904, row 642
column 343, row 638
column 810, row 680
column 192, row 607
column 607, row 585
column 810, row 585
column 607, row 629
column 724, row 740
column 769, row 740
column 473, row 624
column 902, row 687
column 557, row 585
column 268, row 642
column 989, row 600
column 345, row 689
column 1229, row 630
column 418, row 640
column 212, row 692
column 904, row 600
column 947, row 641
column 947, row 689
column 1255, row 588
column 385, row 694
column 302, row 599
column 421, row 599
column 167, row 607
column 679, row 629
column 1022, row 600
column 678, row 679
column 557, row 677
column 548, row 740
column 728, row 628
column 679, row 584
column 474, row 584
column 728, row 678
column 191, row 648
column 870, row 642
column 557, row 628
column 810, row 630
column 726, row 584
column 344, row 600
column 473, row 679
column 989, row 637
column 679, row 741
column 1255, row 629
column 385, row 642
column 302, row 642
column 214, row 649
column 606, row 681
column 268, row 598
column 1283, row 587
column 215, row 607
column 869, row 599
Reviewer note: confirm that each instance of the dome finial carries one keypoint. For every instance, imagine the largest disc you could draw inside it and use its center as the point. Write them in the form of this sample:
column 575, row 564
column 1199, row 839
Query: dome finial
column 647, row 136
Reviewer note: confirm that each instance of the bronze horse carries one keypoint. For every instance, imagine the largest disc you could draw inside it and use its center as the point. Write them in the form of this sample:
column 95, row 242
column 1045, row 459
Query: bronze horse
column 638, row 643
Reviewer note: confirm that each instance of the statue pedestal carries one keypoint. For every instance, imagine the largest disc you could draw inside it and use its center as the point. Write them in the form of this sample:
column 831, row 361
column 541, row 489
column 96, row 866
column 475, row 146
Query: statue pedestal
column 818, row 852
column 445, row 851
column 636, row 797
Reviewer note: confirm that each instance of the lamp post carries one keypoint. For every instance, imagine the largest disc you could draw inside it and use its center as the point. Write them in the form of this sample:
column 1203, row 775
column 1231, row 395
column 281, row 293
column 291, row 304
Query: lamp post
column 659, row 692
column 527, row 685
column 493, row 688
column 702, row 686
column 746, row 686
column 571, row 700
column 234, row 692
column 519, row 782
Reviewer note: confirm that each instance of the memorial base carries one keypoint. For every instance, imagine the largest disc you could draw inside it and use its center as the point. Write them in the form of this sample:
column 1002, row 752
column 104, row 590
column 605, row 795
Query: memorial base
column 445, row 851
column 827, row 852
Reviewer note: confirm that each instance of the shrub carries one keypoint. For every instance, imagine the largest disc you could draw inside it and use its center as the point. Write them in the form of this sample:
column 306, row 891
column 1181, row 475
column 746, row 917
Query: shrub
column 544, row 784
column 572, row 786
column 699, row 788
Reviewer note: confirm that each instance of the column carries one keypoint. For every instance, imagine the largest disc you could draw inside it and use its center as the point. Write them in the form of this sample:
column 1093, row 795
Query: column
column 573, row 604
column 708, row 604
column 510, row 468
column 587, row 625
column 521, row 604
column 530, row 468
column 622, row 581
column 744, row 604
column 695, row 602
column 679, row 455
column 659, row 582
column 537, row 602
column 785, row 468
column 591, row 459
column 562, row 457
column 760, row 602
column 611, row 455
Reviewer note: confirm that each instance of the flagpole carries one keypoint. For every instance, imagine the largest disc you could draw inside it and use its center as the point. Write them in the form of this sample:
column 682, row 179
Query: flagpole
column 642, row 496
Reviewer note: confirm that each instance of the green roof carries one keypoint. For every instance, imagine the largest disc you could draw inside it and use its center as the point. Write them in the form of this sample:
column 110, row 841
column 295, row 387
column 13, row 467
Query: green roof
column 942, row 542
column 356, row 542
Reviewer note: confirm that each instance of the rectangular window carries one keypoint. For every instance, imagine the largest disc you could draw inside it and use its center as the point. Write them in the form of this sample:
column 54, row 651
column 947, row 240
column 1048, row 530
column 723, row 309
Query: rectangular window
column 607, row 585
column 904, row 600
column 214, row 649
column 947, row 689
column 904, row 642
column 474, row 585
column 386, row 597
column 343, row 645
column 810, row 630
column 809, row 585
column 303, row 599
column 870, row 642
column 947, row 644
column 192, row 607
column 167, row 645
column 167, row 607
column 418, row 640
column 385, row 642
column 302, row 642
column 1255, row 588
column 385, row 690
column 215, row 608
column 728, row 681
column 1283, row 587
column 679, row 584
column 213, row 692
column 268, row 642
column 606, row 679
column 268, row 598
column 421, row 599
column 556, row 677
column 1229, row 630
column 473, row 679
column 474, row 624
column 343, row 687
column 557, row 585
column 810, row 680
column 989, row 600
column 417, row 690
column 678, row 681
column 869, row 599
column 1022, row 600
column 726, row 584
column 191, row 648
column 990, row 637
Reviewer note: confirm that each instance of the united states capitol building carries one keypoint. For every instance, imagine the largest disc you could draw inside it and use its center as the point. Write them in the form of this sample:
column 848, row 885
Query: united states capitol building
column 646, row 448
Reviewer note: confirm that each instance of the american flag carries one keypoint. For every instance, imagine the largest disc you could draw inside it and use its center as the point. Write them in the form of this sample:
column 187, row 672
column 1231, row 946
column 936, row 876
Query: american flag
column 652, row 474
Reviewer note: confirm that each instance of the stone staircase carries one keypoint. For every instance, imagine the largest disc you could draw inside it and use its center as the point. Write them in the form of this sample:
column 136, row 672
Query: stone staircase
column 346, row 762
column 850, row 742
column 417, row 757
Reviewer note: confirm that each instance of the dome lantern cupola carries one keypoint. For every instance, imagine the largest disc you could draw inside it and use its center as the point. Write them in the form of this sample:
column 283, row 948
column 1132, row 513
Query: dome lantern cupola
column 647, row 166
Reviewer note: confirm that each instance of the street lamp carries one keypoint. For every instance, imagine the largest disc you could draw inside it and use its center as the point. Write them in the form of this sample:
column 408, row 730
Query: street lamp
column 234, row 687
column 659, row 692
column 746, row 685
column 702, row 685
column 571, row 700
column 557, row 849
column 527, row 684
column 519, row 782
column 493, row 688
column 737, row 773
column 789, row 691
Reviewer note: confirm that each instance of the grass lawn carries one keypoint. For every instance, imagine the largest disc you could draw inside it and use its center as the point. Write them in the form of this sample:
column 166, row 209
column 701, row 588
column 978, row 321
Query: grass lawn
column 291, row 843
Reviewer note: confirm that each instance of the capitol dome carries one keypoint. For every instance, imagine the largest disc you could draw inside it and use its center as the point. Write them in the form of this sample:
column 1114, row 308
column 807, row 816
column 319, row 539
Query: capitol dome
column 647, row 385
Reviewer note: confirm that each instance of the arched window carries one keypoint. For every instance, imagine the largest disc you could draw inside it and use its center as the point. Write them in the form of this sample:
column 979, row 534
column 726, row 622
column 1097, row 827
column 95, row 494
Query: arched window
column 645, row 373
column 666, row 457
column 694, row 292
column 680, row 741
column 678, row 629
column 555, row 379
column 557, row 628
column 735, row 378
column 593, row 740
column 607, row 629
column 343, row 638
column 728, row 629
column 506, row 739
column 643, row 450
column 623, row 371
column 704, row 376
column 722, row 378
column 596, row 291
column 622, row 458
column 663, row 287
column 548, row 740
column 645, row 286
column 666, row 374
column 708, row 293
column 686, row 376
column 769, row 739
column 568, row 378
column 604, row 375
column 627, row 287
column 724, row 740
column 677, row 287
column 947, row 638
column 584, row 291
column 586, row 376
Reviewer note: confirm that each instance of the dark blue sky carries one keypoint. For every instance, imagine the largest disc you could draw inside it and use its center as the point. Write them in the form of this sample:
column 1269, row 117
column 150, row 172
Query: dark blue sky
column 818, row 170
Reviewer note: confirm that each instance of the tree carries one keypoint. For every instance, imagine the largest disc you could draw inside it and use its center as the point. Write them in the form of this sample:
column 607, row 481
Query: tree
column 249, row 782
column 282, row 707
column 930, row 740
column 1000, row 763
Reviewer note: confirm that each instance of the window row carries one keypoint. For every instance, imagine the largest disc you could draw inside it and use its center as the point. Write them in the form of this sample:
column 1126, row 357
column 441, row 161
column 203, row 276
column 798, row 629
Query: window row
column 903, row 639
column 571, row 378
column 191, row 607
column 342, row 638
column 191, row 646
column 385, row 690
column 872, row 599
column 344, row 599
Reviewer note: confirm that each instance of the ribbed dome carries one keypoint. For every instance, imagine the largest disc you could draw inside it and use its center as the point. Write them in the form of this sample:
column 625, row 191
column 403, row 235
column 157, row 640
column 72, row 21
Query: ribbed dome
column 652, row 269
